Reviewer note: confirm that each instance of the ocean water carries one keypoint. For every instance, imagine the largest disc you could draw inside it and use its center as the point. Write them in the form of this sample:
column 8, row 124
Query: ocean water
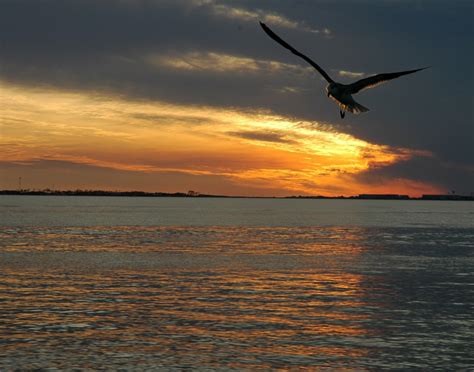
column 240, row 284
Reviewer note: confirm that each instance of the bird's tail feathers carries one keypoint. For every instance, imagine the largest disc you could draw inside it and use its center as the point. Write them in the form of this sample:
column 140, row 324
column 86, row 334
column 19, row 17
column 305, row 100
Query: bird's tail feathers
column 358, row 108
column 355, row 108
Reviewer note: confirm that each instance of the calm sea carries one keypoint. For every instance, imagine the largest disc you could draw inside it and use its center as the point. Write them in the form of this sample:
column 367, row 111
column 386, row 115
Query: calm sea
column 218, row 284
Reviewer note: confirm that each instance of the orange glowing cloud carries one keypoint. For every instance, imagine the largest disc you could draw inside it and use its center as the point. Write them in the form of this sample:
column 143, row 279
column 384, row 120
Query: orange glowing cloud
column 256, row 150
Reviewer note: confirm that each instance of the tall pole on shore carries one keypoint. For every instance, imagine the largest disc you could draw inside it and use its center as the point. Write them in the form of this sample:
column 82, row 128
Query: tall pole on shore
column 19, row 183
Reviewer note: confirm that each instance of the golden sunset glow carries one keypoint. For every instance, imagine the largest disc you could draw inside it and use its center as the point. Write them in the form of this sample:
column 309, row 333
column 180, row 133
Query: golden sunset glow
column 211, row 185
column 249, row 149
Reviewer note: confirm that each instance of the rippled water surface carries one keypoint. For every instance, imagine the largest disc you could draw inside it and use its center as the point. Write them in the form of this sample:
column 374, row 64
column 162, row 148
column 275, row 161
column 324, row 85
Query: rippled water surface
column 144, row 283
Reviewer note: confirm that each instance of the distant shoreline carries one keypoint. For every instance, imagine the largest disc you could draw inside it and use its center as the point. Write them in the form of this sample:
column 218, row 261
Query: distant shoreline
column 192, row 194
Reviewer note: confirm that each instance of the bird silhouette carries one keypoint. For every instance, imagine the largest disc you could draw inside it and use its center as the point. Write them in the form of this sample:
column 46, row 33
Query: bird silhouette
column 342, row 93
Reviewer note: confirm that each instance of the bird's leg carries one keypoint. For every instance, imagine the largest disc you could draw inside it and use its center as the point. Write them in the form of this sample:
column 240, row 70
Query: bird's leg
column 342, row 113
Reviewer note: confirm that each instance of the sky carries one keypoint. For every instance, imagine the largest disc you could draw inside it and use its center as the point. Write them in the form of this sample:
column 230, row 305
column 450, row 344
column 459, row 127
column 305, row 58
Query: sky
column 178, row 95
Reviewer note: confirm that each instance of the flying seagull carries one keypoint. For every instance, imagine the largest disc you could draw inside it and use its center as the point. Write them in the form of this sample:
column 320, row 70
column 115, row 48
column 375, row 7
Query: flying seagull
column 342, row 93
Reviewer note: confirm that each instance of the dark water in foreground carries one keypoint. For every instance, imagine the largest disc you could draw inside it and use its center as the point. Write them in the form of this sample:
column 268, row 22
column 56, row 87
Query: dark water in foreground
column 140, row 283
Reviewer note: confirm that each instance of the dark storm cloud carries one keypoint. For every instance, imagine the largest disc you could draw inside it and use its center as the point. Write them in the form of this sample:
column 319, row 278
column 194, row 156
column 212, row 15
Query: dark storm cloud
column 447, row 176
column 103, row 45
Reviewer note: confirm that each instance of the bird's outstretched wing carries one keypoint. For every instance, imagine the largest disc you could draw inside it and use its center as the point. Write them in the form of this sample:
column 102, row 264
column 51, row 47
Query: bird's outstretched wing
column 294, row 51
column 375, row 80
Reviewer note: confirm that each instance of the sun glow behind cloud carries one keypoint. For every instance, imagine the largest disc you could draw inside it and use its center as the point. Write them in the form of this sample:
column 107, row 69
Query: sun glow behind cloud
column 222, row 63
column 252, row 150
column 242, row 14
column 351, row 74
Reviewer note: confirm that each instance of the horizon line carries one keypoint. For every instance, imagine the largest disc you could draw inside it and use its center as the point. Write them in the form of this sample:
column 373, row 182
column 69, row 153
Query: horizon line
column 195, row 194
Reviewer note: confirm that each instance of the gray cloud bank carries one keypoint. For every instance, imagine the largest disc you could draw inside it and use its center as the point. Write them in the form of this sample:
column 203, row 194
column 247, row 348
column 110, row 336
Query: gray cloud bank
column 106, row 46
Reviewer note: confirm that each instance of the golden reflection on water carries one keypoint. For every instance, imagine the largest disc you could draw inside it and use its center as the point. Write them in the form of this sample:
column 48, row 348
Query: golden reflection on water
column 326, row 241
column 159, row 317
column 243, row 298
